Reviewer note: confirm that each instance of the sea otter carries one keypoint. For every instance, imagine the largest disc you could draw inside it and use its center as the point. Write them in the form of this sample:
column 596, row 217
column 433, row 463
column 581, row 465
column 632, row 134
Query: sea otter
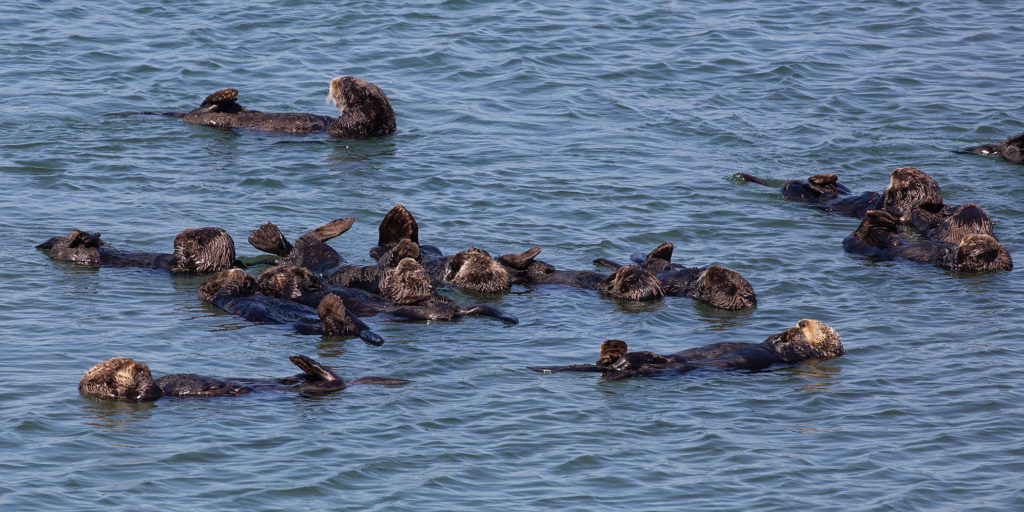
column 405, row 292
column 397, row 224
column 877, row 236
column 810, row 340
column 952, row 223
column 123, row 379
column 714, row 285
column 1011, row 150
column 195, row 251
column 365, row 112
column 238, row 293
column 626, row 283
column 909, row 189
column 472, row 269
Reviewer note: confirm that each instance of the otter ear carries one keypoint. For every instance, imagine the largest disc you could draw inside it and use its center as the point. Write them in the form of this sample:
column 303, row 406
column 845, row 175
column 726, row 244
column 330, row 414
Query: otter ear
column 520, row 261
column 397, row 224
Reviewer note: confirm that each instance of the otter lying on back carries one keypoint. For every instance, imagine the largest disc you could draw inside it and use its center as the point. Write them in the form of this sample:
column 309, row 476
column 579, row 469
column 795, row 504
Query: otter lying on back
column 909, row 189
column 123, row 379
column 195, row 250
column 878, row 236
column 810, row 340
column 1011, row 150
column 365, row 112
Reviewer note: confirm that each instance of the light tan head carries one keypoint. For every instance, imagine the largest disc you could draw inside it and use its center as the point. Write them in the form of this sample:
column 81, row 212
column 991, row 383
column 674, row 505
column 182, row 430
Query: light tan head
column 203, row 250
column 611, row 351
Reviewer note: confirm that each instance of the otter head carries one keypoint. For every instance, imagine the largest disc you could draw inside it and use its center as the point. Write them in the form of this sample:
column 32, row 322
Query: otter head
column 980, row 253
column 203, row 250
column 78, row 247
column 120, row 378
column 359, row 98
column 334, row 317
column 910, row 188
column 632, row 283
column 407, row 283
column 611, row 351
column 964, row 220
column 475, row 270
column 228, row 284
column 288, row 282
column 723, row 288
column 809, row 340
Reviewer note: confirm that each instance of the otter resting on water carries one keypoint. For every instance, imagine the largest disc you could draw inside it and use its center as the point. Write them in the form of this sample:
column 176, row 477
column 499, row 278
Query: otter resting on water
column 365, row 112
column 809, row 340
column 195, row 251
column 909, row 189
column 1011, row 150
column 238, row 293
column 878, row 236
column 123, row 379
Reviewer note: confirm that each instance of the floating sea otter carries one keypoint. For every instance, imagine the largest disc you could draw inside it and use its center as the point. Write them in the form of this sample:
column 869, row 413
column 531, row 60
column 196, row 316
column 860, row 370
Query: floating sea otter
column 405, row 292
column 238, row 293
column 878, row 236
column 365, row 112
column 810, row 340
column 1012, row 149
column 715, row 285
column 123, row 379
column 909, row 189
column 195, row 251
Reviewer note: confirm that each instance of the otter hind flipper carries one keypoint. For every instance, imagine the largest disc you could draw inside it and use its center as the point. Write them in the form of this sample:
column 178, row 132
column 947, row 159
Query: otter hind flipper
column 222, row 97
column 313, row 369
column 492, row 312
column 604, row 262
column 397, row 224
column 268, row 238
column 381, row 381
column 984, row 149
column 520, row 261
column 332, row 229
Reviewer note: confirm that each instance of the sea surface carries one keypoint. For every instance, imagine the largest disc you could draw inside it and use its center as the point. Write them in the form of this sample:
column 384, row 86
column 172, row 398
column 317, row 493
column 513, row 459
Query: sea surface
column 591, row 130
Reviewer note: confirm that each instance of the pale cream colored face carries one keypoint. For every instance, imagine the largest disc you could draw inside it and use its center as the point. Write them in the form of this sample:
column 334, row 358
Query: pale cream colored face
column 334, row 94
column 815, row 332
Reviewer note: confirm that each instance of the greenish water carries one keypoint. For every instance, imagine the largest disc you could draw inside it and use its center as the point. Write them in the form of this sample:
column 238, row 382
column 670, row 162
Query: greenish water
column 590, row 131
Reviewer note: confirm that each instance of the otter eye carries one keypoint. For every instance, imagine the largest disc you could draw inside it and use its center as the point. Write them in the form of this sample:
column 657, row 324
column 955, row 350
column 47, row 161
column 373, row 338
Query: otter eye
column 802, row 324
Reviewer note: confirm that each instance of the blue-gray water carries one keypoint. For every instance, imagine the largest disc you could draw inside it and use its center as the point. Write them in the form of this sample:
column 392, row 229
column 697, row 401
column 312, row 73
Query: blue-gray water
column 591, row 132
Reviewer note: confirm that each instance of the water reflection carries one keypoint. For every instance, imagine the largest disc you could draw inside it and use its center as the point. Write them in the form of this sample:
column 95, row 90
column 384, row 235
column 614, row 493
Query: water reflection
column 113, row 415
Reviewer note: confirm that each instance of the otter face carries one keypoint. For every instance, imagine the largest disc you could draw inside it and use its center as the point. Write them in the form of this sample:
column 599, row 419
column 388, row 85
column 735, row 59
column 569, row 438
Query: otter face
column 288, row 282
column 228, row 284
column 78, row 247
column 632, row 283
column 407, row 283
column 964, row 220
column 120, row 378
column 724, row 288
column 910, row 188
column 981, row 253
column 810, row 339
column 203, row 250
column 475, row 270
column 611, row 351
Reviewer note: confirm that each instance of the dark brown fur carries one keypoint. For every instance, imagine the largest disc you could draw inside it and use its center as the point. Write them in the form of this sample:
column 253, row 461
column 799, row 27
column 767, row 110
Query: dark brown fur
column 365, row 112
column 195, row 251
column 1011, row 150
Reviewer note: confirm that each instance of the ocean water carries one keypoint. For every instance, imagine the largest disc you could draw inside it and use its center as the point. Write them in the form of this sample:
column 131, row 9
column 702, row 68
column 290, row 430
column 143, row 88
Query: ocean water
column 590, row 131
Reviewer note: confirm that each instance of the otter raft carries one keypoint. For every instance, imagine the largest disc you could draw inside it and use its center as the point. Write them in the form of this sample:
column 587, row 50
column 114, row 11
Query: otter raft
column 556, row 256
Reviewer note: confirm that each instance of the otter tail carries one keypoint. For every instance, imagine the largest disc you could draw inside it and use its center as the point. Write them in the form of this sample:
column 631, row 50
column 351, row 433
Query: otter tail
column 984, row 149
column 747, row 177
column 381, row 381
